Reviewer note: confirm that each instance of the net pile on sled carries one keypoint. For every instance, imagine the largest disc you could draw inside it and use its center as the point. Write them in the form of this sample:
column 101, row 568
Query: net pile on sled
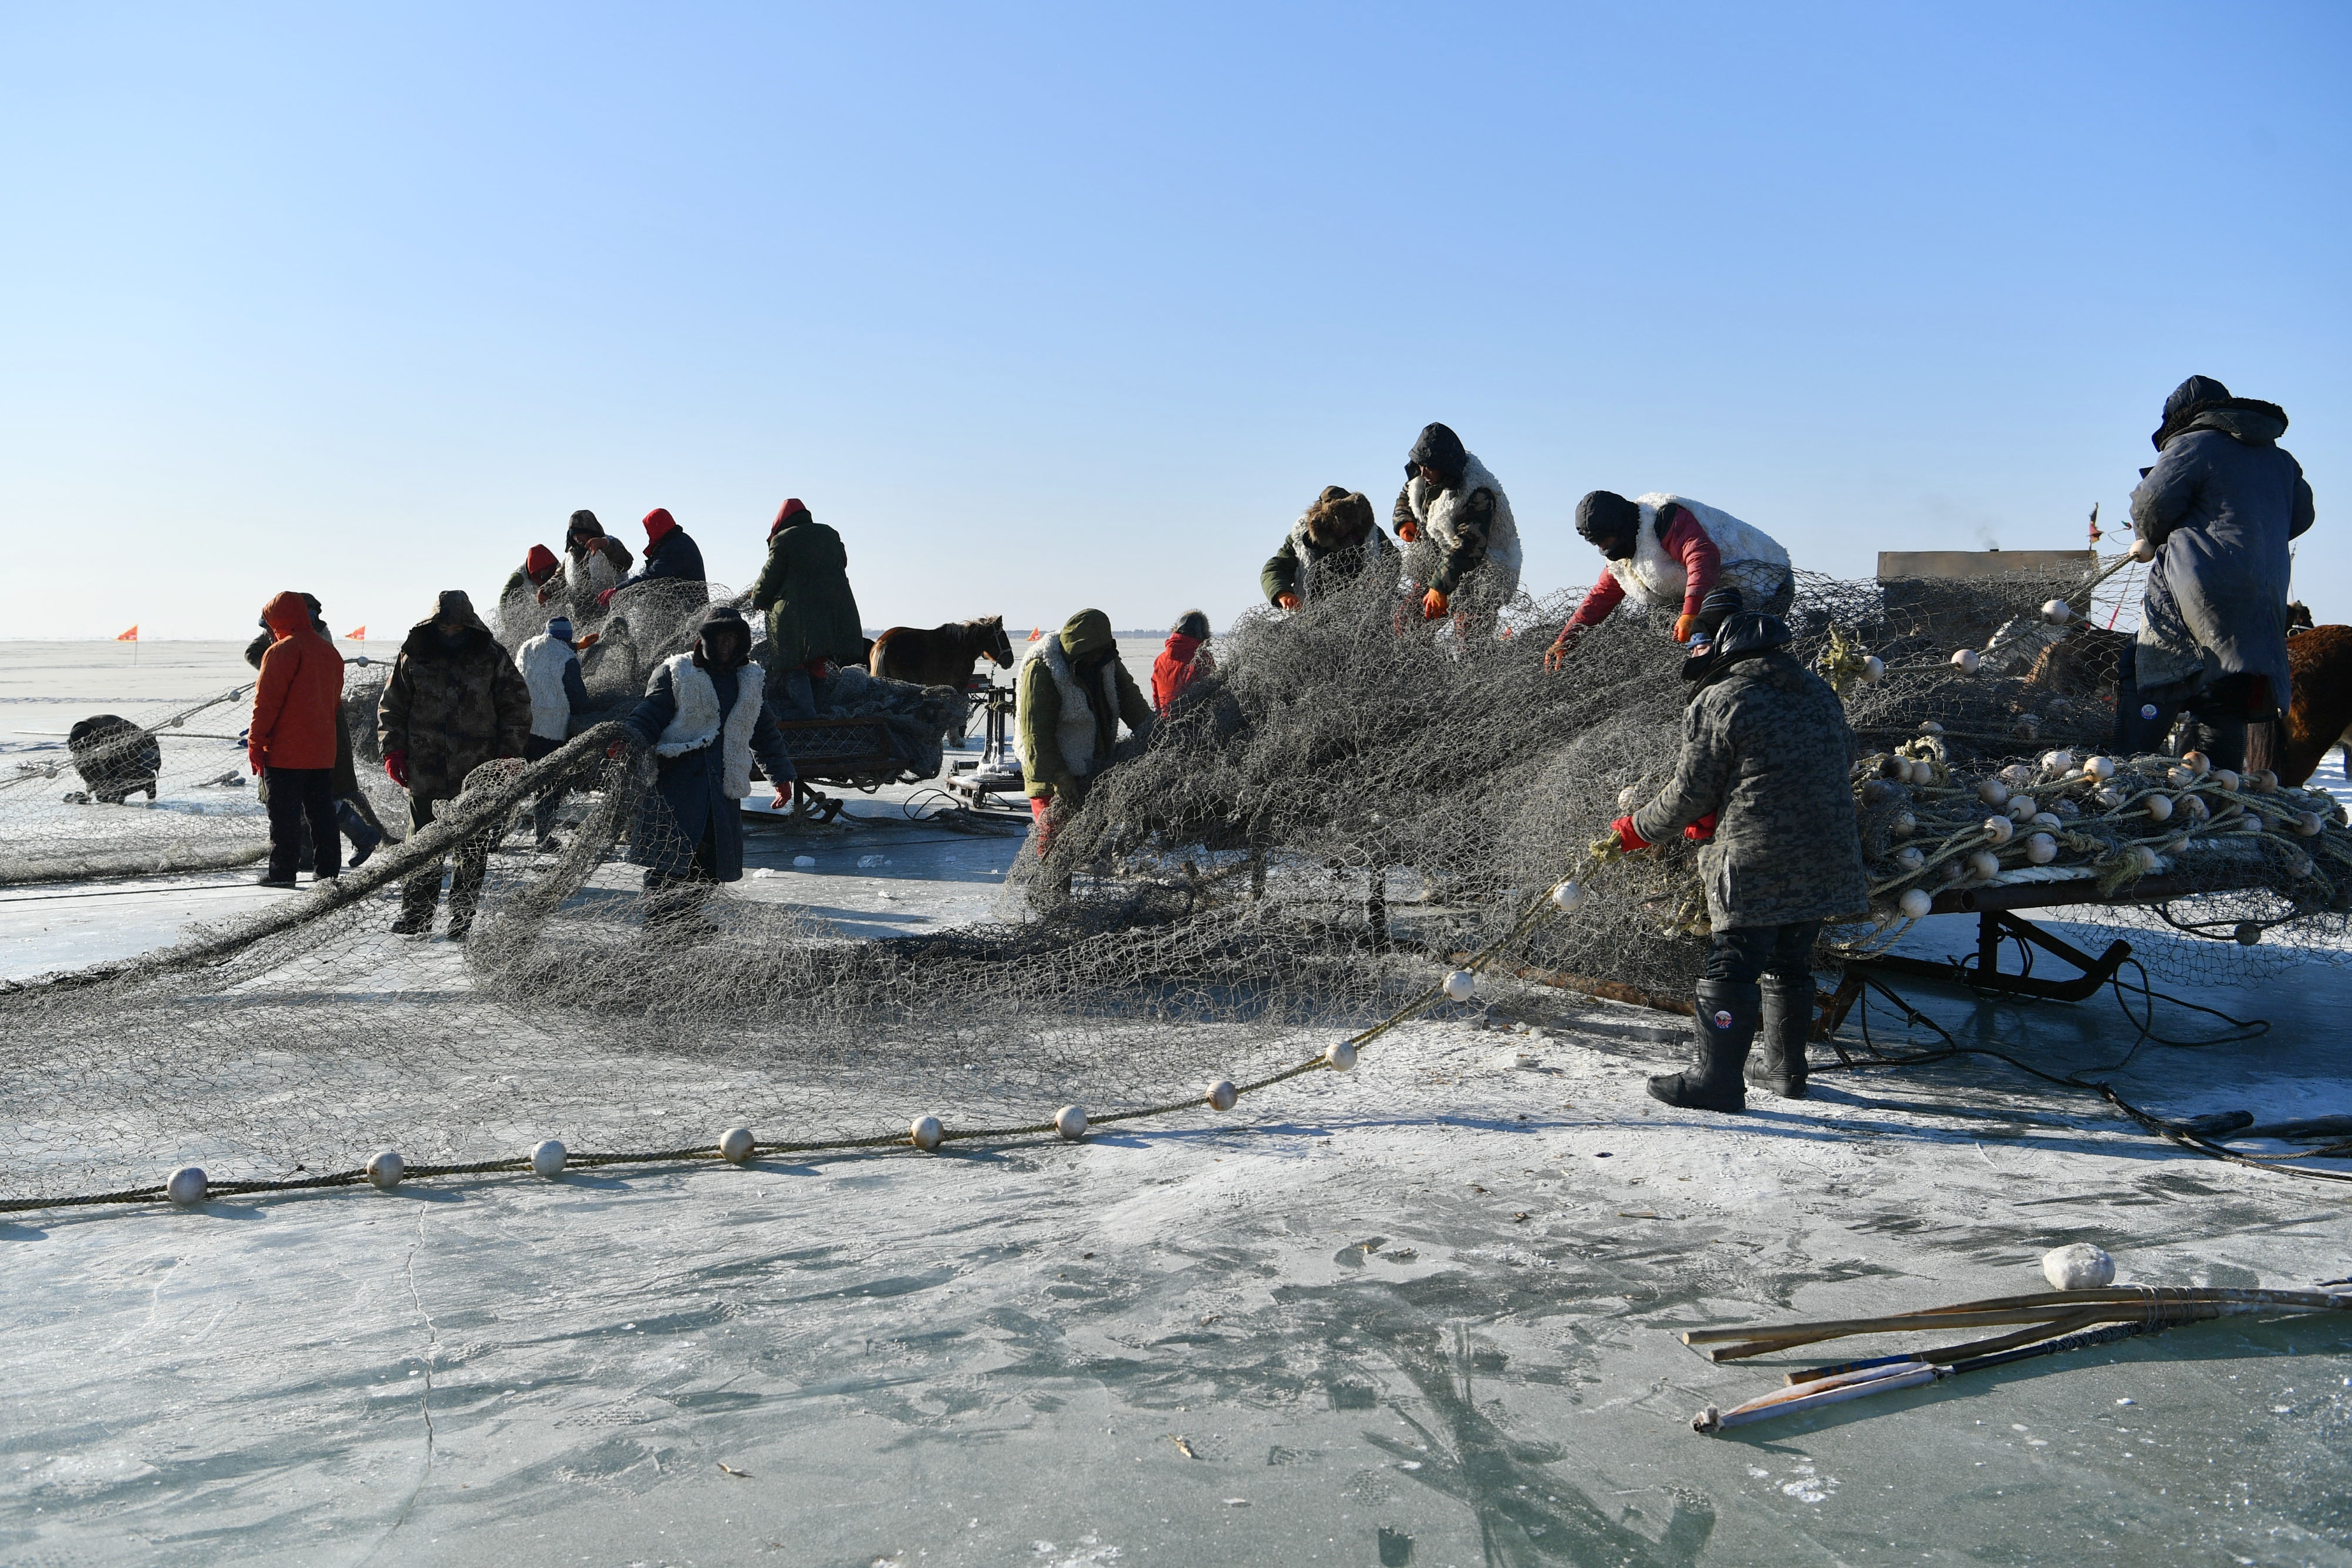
column 1352, row 800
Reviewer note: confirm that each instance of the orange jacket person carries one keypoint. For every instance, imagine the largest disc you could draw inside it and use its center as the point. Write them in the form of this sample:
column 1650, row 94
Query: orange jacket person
column 296, row 704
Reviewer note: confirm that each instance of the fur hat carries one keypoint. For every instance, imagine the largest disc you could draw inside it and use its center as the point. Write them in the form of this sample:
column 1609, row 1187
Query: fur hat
column 1192, row 623
column 1339, row 515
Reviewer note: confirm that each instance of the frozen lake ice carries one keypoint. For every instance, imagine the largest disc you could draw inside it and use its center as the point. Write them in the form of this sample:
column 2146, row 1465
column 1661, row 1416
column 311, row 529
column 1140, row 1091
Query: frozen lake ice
column 1422, row 1313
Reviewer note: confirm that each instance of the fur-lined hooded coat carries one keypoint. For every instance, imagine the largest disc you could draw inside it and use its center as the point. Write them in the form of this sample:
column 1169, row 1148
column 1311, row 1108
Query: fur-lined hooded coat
column 1336, row 541
column 452, row 703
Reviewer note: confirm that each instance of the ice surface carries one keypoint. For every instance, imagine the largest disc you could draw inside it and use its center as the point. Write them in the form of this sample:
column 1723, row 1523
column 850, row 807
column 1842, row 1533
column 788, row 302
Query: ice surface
column 1422, row 1313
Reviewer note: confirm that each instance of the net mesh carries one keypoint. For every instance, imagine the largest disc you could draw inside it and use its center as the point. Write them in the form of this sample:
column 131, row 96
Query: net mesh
column 1354, row 800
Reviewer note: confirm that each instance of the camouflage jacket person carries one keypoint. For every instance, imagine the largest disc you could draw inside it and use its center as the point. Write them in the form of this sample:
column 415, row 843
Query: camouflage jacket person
column 454, row 701
column 1767, row 750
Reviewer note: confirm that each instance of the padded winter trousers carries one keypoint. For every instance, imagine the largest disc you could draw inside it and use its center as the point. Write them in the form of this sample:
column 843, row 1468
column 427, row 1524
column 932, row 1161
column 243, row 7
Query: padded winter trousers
column 422, row 891
column 1745, row 954
column 300, row 797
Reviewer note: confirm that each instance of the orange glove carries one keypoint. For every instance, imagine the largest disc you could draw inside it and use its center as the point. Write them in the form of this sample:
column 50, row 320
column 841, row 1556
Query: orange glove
column 1287, row 600
column 544, row 593
column 1409, row 531
column 1433, row 605
column 1555, row 656
column 1684, row 623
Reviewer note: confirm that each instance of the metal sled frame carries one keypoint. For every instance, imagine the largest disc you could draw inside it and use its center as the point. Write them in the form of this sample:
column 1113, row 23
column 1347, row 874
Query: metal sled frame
column 1995, row 908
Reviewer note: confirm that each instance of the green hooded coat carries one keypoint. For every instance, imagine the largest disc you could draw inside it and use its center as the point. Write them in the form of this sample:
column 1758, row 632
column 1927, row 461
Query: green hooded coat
column 1089, row 653
column 804, row 589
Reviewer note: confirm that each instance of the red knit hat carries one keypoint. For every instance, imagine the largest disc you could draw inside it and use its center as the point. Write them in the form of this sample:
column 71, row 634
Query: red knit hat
column 659, row 522
column 784, row 515
column 539, row 564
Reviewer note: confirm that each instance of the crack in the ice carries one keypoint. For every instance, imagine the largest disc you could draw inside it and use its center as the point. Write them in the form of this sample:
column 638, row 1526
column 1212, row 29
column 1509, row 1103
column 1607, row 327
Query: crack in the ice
column 423, row 1400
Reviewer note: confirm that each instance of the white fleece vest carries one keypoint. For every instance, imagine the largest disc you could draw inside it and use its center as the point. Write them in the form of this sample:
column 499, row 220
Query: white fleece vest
column 699, row 722
column 589, row 574
column 1434, row 509
column 541, row 660
column 1076, row 734
column 1753, row 561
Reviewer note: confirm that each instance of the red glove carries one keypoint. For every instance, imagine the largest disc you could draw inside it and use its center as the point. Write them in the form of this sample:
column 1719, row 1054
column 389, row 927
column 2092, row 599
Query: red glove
column 1627, row 839
column 1041, row 811
column 253, row 760
column 605, row 600
column 395, row 768
column 1433, row 605
column 1703, row 829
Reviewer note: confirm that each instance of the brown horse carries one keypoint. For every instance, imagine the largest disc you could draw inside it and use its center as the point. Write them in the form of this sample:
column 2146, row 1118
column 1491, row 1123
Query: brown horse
column 2319, row 714
column 942, row 657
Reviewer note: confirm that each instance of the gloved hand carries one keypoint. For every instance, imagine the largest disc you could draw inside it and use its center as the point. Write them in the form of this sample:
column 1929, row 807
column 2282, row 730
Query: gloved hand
column 1684, row 625
column 1409, row 531
column 1042, row 812
column 605, row 600
column 546, row 593
column 395, row 768
column 1433, row 605
column 589, row 640
column 1555, row 656
column 1627, row 839
column 1287, row 600
column 1703, row 829
column 253, row 760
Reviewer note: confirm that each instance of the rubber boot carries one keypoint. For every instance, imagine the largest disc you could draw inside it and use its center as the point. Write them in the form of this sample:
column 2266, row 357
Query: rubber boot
column 1725, row 1025
column 419, row 896
column 1779, row 1063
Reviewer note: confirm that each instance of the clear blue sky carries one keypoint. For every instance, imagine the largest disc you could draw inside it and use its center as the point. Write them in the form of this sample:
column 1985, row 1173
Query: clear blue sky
column 1046, row 307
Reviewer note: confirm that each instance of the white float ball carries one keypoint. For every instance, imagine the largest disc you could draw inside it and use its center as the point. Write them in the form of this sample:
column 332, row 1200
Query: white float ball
column 547, row 1158
column 1628, row 798
column 1929, row 727
column 1874, row 669
column 2195, row 808
column 2199, row 763
column 2142, row 860
column 1567, row 895
column 2058, row 761
column 2048, row 821
column 2099, row 767
column 2141, row 550
column 2080, row 1267
column 1916, row 903
column 2159, row 808
column 1222, row 1094
column 385, row 1167
column 2057, row 611
column 2023, row 808
column 736, row 1145
column 1999, row 828
column 1340, row 1057
column 1993, row 792
column 2041, row 848
column 187, row 1185
column 1985, row 863
column 2264, row 781
column 1903, row 825
column 2306, row 823
column 2017, row 776
column 925, row 1133
column 1070, row 1123
column 1461, row 985
column 1965, row 661
column 2109, row 799
column 2225, row 779
column 1911, row 857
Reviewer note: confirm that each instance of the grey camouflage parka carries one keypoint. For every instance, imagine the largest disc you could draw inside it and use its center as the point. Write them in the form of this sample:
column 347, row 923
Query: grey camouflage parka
column 1766, row 745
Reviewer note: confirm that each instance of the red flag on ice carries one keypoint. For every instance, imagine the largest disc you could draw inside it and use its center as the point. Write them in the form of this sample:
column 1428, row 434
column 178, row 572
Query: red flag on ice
column 356, row 635
column 130, row 636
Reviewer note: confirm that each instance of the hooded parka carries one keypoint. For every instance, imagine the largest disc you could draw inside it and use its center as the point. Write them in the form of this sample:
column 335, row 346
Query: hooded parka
column 1072, row 692
column 2220, row 507
column 705, row 718
column 1465, row 516
column 297, row 702
column 454, row 702
column 804, row 589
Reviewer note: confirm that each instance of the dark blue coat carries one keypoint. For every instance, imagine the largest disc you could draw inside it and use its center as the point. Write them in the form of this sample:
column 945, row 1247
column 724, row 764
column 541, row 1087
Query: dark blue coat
column 2219, row 505
column 673, row 555
column 689, row 798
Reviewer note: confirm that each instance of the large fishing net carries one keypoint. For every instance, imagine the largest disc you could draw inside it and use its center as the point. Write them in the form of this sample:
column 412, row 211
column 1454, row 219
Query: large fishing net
column 1355, row 803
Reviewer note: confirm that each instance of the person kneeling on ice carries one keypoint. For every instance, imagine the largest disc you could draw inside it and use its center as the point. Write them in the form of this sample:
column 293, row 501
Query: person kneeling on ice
column 454, row 701
column 558, row 697
column 1667, row 552
column 705, row 716
column 1335, row 541
column 1184, row 660
column 1070, row 696
column 298, row 708
column 1454, row 502
column 1765, row 756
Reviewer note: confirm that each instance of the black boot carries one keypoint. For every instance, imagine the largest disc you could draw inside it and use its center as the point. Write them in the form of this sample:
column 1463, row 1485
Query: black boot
column 1779, row 1063
column 364, row 838
column 1725, row 1023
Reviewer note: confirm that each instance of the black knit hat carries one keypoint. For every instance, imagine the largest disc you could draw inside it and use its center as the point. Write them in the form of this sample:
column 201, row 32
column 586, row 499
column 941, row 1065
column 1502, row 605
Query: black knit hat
column 1605, row 518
